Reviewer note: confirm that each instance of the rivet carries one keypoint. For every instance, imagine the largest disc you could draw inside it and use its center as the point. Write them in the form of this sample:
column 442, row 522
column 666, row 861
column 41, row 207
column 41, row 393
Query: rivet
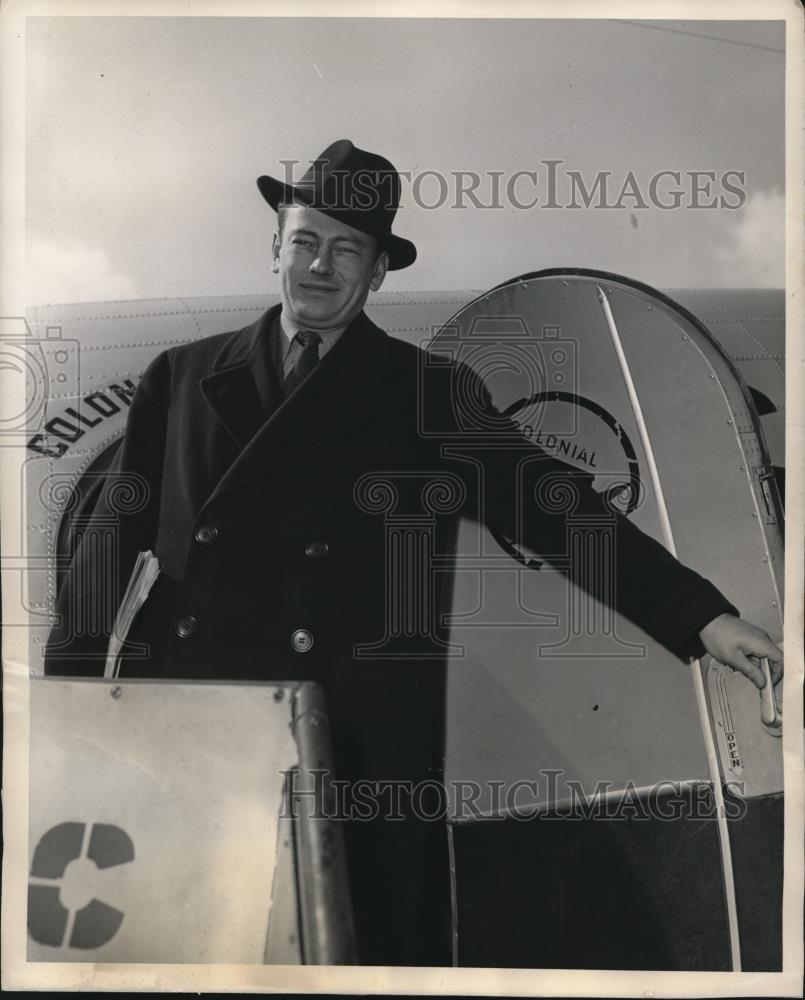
column 754, row 513
column 774, row 604
column 711, row 375
column 279, row 694
column 729, row 422
column 117, row 692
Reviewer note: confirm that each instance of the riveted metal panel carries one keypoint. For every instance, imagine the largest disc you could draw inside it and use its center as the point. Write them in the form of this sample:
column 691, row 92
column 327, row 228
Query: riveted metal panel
column 602, row 706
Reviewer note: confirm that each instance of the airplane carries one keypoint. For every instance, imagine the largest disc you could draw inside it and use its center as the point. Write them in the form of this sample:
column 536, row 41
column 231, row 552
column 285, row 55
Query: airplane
column 676, row 400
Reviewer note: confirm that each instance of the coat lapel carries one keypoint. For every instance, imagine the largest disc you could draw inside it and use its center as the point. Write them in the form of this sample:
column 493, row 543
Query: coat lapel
column 341, row 391
column 241, row 382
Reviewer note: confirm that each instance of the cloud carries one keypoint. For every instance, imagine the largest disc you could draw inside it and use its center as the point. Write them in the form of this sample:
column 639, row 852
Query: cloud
column 73, row 272
column 751, row 248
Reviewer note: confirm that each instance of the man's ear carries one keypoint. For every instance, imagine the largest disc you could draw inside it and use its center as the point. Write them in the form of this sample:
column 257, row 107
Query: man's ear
column 379, row 271
column 275, row 252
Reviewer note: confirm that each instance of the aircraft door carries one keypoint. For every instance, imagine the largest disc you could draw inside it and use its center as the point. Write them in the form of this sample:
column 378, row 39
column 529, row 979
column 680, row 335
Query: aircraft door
column 555, row 702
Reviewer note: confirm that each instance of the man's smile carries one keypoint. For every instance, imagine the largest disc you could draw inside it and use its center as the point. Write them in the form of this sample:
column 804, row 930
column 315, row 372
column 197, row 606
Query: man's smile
column 317, row 288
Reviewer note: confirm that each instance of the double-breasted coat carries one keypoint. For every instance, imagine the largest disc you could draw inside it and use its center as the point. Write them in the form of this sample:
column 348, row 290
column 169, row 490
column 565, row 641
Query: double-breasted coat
column 295, row 539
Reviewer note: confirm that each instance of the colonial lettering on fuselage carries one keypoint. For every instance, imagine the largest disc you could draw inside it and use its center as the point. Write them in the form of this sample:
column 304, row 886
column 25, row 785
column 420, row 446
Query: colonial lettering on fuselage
column 72, row 423
column 560, row 446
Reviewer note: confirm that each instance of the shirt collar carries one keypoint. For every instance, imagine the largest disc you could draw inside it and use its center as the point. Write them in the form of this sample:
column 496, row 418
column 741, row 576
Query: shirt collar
column 290, row 330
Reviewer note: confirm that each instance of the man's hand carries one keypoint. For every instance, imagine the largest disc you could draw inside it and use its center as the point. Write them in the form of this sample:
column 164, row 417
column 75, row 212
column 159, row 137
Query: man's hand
column 732, row 641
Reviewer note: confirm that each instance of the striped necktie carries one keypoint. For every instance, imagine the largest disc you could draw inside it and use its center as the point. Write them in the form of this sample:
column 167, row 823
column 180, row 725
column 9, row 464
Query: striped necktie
column 307, row 360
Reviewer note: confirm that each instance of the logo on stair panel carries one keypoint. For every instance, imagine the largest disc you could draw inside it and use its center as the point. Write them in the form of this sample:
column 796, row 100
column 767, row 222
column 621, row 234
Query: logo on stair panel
column 94, row 924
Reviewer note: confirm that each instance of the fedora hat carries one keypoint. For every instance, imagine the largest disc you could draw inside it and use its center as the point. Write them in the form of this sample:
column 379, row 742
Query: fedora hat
column 353, row 186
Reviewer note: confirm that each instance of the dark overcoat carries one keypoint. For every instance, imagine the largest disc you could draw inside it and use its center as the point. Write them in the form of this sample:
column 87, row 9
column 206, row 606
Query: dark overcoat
column 296, row 539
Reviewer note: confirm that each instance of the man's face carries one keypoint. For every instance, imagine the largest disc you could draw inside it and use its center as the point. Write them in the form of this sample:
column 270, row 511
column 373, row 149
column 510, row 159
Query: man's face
column 326, row 269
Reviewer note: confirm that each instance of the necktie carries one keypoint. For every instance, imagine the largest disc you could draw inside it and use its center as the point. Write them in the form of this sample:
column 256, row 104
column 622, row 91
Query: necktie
column 309, row 357
column 307, row 360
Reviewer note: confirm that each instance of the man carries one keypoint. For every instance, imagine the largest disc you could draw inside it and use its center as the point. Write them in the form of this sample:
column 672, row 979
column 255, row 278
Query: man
column 269, row 456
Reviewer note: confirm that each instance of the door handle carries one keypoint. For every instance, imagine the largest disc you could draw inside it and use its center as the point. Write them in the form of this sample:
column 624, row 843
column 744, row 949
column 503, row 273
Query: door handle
column 770, row 714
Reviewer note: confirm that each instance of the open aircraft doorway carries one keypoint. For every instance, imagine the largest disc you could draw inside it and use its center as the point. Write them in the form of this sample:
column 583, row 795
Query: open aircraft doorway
column 619, row 756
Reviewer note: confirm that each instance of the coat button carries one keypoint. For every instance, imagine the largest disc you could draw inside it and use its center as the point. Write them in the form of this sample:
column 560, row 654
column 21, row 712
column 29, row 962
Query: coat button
column 206, row 534
column 301, row 640
column 316, row 550
column 186, row 627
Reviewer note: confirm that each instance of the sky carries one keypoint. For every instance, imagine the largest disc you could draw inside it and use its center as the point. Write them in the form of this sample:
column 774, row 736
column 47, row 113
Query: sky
column 145, row 136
